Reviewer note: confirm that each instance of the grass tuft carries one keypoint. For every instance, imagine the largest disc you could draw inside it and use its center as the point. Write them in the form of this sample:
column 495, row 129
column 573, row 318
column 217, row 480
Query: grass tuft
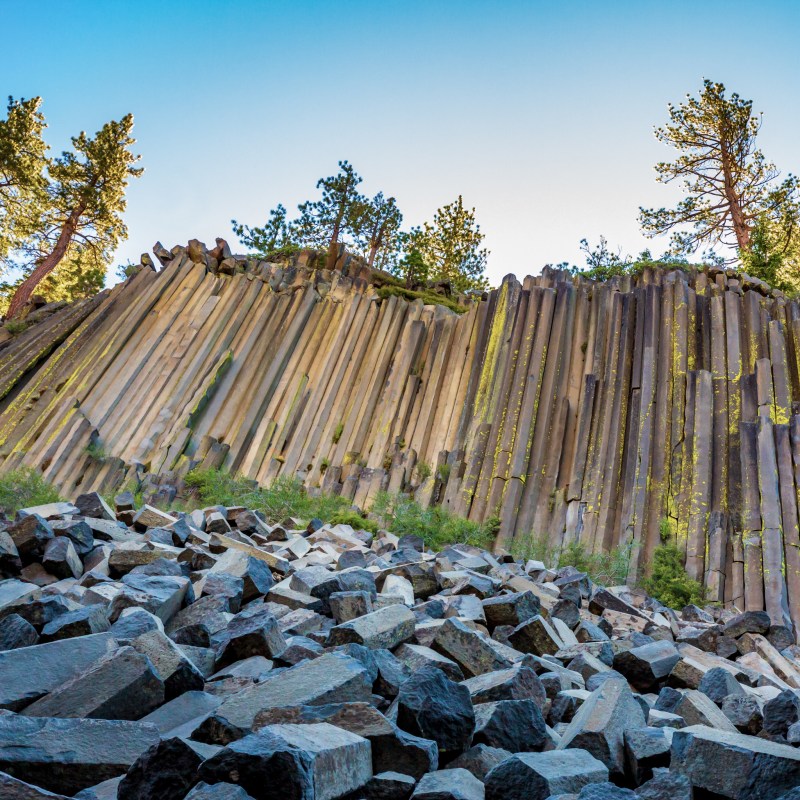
column 25, row 487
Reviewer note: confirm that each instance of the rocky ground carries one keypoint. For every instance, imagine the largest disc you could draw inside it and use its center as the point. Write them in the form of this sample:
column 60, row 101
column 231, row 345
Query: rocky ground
column 211, row 656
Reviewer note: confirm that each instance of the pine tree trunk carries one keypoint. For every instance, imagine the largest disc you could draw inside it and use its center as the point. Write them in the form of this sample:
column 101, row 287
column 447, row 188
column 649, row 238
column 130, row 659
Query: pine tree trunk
column 333, row 247
column 46, row 265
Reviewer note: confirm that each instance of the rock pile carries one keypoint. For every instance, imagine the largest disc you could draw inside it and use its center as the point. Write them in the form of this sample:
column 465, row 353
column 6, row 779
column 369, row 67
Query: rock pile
column 213, row 656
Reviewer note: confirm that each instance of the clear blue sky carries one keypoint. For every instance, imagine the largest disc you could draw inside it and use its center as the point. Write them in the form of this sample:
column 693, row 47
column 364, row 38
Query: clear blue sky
column 539, row 113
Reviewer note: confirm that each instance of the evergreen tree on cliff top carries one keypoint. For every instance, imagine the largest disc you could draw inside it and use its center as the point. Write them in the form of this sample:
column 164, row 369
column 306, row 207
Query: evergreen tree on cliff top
column 450, row 247
column 324, row 223
column 62, row 222
column 734, row 197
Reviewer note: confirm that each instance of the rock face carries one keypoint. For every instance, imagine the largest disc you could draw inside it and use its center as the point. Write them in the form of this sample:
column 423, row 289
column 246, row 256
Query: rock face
column 601, row 397
column 224, row 658
column 67, row 755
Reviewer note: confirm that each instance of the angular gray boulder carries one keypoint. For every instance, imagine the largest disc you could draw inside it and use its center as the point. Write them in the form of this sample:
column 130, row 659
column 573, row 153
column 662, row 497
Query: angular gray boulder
column 67, row 755
column 538, row 776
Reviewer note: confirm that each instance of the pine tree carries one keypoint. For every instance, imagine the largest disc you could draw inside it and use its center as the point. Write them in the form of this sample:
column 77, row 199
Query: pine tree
column 323, row 223
column 729, row 183
column 377, row 229
column 275, row 234
column 23, row 185
column 85, row 199
column 451, row 247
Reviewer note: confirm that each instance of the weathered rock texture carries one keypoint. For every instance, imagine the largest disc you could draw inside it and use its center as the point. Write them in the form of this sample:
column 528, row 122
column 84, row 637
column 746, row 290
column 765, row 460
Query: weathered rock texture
column 576, row 410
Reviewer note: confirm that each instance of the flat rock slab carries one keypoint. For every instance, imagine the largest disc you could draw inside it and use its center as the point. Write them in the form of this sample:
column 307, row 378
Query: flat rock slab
column 121, row 685
column 537, row 776
column 29, row 673
column 332, row 678
column 734, row 765
column 385, row 628
column 67, row 755
column 306, row 762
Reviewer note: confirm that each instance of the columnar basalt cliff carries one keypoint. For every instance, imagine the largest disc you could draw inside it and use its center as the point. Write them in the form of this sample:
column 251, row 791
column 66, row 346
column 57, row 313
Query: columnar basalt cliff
column 602, row 412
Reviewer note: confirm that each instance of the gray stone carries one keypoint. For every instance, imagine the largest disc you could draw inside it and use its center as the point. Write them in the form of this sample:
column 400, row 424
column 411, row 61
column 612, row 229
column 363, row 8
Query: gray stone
column 388, row 786
column 666, row 785
column 16, row 632
column 218, row 791
column 182, row 715
column 781, row 712
column 314, row 762
column 449, row 784
column 519, row 682
column 165, row 771
column 513, row 725
column 599, row 725
column 13, row 789
column 416, row 656
column 744, row 712
column 718, row 683
column 734, row 765
column 67, row 755
column 646, row 666
column 385, row 628
column 748, row 622
column 253, row 632
column 122, row 685
column 92, row 505
column 480, row 759
column 172, row 666
column 538, row 776
column 433, row 707
column 332, row 678
column 61, row 559
column 645, row 750
column 472, row 650
column 536, row 636
column 29, row 673
column 697, row 709
column 81, row 622
column 511, row 609
column 346, row 606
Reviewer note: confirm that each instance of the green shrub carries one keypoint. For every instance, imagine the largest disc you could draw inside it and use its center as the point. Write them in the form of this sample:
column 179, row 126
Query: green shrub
column 436, row 526
column 608, row 569
column 337, row 432
column 95, row 450
column 354, row 520
column 15, row 326
column 23, row 488
column 286, row 497
column 424, row 471
column 669, row 583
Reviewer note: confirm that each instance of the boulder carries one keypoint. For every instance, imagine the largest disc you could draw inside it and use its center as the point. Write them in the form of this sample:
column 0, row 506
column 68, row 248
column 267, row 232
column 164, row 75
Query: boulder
column 165, row 771
column 385, row 628
column 67, row 755
column 29, row 673
column 314, row 762
column 433, row 707
column 538, row 776
column 513, row 725
column 647, row 665
column 600, row 723
column 449, row 784
column 733, row 765
column 122, row 685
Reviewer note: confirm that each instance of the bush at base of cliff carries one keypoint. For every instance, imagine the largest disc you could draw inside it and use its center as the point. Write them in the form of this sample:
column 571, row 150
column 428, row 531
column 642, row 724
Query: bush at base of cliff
column 669, row 583
column 23, row 488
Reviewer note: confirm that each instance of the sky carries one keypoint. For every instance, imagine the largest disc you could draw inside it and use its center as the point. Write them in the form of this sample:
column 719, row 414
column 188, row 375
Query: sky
column 540, row 114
